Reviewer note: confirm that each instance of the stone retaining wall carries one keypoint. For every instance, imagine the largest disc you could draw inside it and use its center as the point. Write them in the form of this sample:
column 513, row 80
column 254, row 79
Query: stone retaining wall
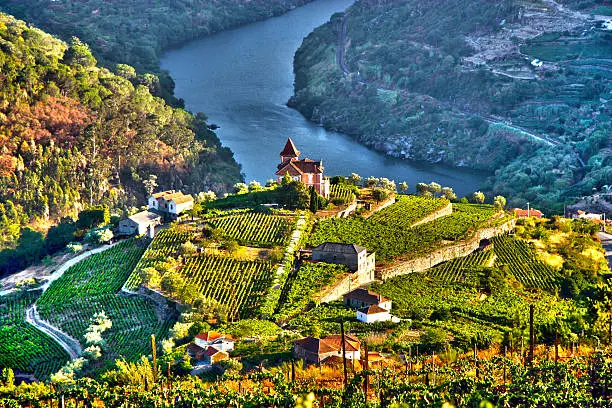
column 448, row 210
column 348, row 283
column 446, row 253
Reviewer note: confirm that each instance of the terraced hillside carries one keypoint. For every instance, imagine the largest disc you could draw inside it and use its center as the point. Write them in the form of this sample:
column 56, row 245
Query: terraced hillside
column 22, row 346
column 522, row 87
column 92, row 286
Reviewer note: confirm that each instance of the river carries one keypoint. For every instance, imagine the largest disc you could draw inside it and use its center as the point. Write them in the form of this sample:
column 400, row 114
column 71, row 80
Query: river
column 242, row 79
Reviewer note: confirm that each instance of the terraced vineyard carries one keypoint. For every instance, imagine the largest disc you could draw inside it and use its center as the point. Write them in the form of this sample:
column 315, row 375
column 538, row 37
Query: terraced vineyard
column 523, row 263
column 256, row 228
column 342, row 192
column 166, row 243
column 92, row 286
column 455, row 270
column 241, row 285
column 22, row 346
column 408, row 209
column 389, row 232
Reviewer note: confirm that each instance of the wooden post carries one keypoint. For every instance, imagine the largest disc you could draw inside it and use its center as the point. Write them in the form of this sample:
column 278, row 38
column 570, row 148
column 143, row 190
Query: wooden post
column 556, row 346
column 610, row 328
column 476, row 360
column 505, row 351
column 343, row 353
column 365, row 376
column 531, row 334
column 154, row 351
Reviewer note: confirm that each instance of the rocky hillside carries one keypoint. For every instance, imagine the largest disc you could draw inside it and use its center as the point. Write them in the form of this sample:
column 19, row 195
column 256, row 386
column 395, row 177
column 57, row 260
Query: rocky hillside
column 73, row 134
column 519, row 88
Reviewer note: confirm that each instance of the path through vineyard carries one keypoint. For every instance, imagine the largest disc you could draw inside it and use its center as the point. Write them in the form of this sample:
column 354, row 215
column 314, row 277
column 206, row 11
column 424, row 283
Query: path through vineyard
column 67, row 342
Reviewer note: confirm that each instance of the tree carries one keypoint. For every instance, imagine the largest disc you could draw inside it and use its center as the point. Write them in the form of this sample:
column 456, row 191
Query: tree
column 79, row 54
column 371, row 182
column 355, row 179
column 94, row 216
column 423, row 189
column 449, row 194
column 188, row 248
column 403, row 187
column 387, row 184
column 499, row 202
column 293, row 195
column 380, row 194
column 150, row 184
column 478, row 197
column 241, row 188
column 230, row 246
column 255, row 186
column 171, row 282
column 434, row 188
column 150, row 276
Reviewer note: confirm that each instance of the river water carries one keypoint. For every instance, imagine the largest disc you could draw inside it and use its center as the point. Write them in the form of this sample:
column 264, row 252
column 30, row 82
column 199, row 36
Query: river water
column 242, row 80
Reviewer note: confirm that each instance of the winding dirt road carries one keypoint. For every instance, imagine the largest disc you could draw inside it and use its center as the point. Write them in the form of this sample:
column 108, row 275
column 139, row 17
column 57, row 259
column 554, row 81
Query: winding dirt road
column 68, row 343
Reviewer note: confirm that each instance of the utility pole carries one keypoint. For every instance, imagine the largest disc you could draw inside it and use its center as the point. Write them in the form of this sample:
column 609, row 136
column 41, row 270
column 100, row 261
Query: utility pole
column 365, row 376
column 531, row 334
column 528, row 213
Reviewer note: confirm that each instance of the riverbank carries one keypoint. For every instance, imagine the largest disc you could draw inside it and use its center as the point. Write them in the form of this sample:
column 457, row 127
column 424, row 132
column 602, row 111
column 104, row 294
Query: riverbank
column 244, row 90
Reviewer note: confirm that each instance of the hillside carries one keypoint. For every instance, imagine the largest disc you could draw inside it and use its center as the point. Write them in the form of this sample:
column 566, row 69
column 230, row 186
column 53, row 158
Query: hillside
column 73, row 134
column 136, row 32
column 450, row 82
column 235, row 271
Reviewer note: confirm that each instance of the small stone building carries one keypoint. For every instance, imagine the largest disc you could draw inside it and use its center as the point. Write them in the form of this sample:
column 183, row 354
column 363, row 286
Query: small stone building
column 138, row 224
column 360, row 298
column 355, row 257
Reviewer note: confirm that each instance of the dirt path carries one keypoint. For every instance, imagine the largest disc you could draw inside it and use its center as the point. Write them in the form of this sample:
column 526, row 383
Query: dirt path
column 68, row 343
column 606, row 243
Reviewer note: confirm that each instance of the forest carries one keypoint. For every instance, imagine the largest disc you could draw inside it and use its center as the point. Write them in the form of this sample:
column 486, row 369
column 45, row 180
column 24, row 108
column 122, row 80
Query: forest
column 417, row 82
column 74, row 135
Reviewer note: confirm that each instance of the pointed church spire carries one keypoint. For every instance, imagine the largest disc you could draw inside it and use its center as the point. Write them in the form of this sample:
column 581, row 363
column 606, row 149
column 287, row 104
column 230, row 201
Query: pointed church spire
column 290, row 151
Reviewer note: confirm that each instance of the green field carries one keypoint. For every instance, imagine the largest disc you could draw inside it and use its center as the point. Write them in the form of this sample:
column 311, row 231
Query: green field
column 22, row 346
column 94, row 285
column 240, row 285
column 256, row 228
column 389, row 232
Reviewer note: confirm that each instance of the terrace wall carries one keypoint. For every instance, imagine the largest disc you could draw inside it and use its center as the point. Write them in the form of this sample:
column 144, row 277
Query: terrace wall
column 448, row 210
column 444, row 254
column 348, row 283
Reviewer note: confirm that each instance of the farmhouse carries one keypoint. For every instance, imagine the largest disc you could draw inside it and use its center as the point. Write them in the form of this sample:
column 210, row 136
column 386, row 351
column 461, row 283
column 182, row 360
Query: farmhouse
column 373, row 313
column 208, row 356
column 138, row 224
column 219, row 341
column 307, row 171
column 315, row 351
column 170, row 203
column 360, row 298
column 355, row 257
column 532, row 212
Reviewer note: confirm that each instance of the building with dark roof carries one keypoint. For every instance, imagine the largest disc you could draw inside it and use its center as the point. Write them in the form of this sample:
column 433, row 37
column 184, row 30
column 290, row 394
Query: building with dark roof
column 360, row 298
column 309, row 172
column 354, row 256
column 138, row 224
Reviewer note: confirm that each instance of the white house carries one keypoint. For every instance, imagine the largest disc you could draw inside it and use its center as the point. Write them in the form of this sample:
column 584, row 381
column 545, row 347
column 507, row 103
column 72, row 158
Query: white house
column 221, row 342
column 170, row 203
column 138, row 224
column 374, row 313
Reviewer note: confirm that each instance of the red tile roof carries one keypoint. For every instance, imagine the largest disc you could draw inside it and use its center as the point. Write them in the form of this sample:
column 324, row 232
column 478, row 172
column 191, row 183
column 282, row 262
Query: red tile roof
column 210, row 336
column 519, row 212
column 298, row 167
column 211, row 351
column 290, row 150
